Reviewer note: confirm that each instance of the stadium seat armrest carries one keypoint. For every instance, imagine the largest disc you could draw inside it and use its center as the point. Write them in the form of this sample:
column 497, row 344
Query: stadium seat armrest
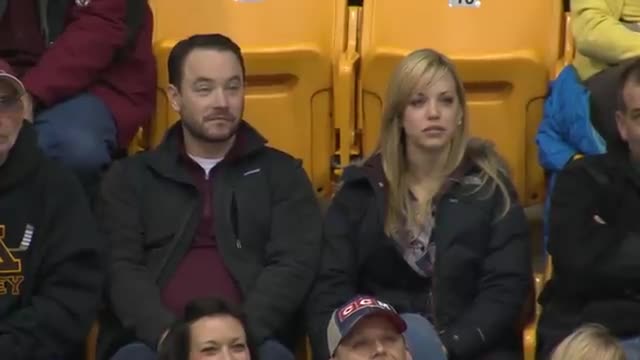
column 344, row 98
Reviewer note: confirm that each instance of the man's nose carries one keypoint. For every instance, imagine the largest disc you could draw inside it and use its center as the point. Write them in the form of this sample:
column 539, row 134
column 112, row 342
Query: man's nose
column 219, row 98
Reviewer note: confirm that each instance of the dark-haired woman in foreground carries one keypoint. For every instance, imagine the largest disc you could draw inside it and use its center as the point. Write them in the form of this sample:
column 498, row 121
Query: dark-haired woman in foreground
column 210, row 329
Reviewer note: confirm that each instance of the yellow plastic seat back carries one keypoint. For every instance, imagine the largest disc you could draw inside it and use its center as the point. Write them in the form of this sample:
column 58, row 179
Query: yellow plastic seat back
column 289, row 48
column 504, row 50
column 569, row 41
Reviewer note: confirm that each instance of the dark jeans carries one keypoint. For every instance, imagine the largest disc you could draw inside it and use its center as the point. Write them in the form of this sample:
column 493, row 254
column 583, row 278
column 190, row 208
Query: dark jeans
column 422, row 338
column 79, row 132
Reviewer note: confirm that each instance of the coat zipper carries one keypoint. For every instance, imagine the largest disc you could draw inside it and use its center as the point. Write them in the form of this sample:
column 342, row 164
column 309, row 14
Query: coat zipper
column 176, row 238
column 432, row 293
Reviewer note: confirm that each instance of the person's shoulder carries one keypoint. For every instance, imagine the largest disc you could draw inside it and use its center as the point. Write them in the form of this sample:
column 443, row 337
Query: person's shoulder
column 587, row 174
column 601, row 163
column 138, row 159
column 278, row 158
column 131, row 165
column 590, row 160
column 279, row 165
column 481, row 151
column 360, row 182
column 58, row 186
column 57, row 175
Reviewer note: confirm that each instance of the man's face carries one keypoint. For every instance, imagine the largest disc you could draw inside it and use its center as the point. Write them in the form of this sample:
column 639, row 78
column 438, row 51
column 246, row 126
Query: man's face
column 374, row 337
column 628, row 122
column 210, row 98
column 10, row 118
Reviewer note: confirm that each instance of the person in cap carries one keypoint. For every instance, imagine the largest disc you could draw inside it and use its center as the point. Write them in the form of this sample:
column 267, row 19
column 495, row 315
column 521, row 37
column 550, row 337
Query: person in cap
column 89, row 74
column 51, row 253
column 367, row 328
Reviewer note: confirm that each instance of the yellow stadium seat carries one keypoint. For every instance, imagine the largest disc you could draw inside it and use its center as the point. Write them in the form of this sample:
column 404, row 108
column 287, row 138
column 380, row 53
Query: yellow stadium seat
column 567, row 47
column 505, row 51
column 535, row 176
column 292, row 51
column 529, row 335
column 303, row 350
column 569, row 44
column 138, row 143
column 548, row 272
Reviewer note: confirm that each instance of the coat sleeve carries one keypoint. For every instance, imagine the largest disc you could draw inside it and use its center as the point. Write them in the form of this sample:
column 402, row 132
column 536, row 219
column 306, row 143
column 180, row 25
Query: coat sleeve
column 590, row 252
column 135, row 298
column 92, row 36
column 599, row 35
column 504, row 286
column 291, row 253
column 554, row 147
column 70, row 279
column 336, row 282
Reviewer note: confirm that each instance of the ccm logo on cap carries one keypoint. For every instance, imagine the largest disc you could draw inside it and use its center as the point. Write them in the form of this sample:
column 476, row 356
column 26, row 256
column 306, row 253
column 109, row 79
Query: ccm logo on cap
column 359, row 304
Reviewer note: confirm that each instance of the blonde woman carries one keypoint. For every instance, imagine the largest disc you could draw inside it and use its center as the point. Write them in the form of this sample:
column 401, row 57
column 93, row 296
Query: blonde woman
column 589, row 342
column 429, row 224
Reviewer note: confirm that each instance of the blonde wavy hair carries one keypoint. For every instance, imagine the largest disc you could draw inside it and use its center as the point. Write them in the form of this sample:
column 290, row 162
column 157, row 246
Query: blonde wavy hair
column 402, row 213
column 589, row 342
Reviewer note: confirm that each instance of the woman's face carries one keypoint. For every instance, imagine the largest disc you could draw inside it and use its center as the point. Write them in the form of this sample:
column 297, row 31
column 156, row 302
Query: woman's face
column 433, row 113
column 218, row 337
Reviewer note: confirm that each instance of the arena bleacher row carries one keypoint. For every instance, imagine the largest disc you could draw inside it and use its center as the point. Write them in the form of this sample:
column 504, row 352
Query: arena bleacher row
column 317, row 71
column 322, row 72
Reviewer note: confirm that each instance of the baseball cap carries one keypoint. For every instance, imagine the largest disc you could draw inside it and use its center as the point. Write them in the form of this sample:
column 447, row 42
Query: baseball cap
column 345, row 318
column 7, row 74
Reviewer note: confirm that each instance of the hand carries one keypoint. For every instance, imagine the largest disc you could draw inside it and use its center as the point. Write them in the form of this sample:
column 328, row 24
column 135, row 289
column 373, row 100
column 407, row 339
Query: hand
column 27, row 106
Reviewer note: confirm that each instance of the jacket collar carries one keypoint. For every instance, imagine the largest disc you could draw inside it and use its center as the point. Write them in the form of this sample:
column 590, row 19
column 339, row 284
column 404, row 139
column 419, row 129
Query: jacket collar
column 620, row 163
column 373, row 172
column 24, row 158
column 168, row 158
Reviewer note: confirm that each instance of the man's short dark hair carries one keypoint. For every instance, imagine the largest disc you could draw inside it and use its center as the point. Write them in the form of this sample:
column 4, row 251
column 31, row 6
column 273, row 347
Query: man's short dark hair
column 631, row 73
column 176, row 345
column 201, row 41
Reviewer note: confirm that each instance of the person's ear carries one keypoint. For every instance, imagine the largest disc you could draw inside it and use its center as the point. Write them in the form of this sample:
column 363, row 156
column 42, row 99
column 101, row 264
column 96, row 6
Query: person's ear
column 621, row 125
column 175, row 99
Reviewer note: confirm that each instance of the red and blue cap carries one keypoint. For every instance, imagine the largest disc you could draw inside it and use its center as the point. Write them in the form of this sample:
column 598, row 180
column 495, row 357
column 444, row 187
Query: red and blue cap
column 345, row 318
column 7, row 74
